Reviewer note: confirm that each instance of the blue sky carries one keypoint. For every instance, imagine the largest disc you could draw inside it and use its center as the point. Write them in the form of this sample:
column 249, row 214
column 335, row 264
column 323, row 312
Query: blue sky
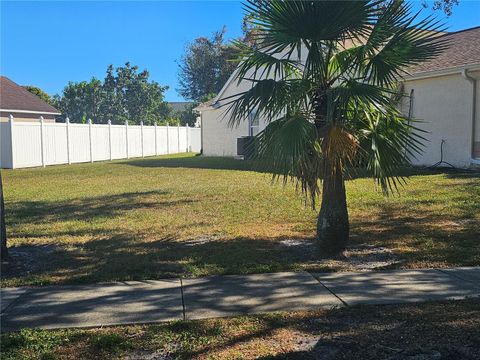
column 48, row 43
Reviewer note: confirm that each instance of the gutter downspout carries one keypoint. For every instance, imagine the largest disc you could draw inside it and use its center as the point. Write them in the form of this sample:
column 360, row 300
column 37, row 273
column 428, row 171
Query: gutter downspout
column 473, row 81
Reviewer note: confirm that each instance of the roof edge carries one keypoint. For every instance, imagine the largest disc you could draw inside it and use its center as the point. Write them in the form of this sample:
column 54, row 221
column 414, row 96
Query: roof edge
column 442, row 72
column 31, row 112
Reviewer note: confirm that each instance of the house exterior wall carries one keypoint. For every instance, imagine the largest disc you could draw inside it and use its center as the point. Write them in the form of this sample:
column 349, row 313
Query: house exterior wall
column 218, row 137
column 444, row 105
column 25, row 117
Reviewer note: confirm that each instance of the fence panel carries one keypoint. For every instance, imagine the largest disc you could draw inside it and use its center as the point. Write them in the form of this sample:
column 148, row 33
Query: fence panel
column 34, row 144
column 182, row 137
column 119, row 142
column 27, row 136
column 195, row 140
column 162, row 140
column 148, row 140
column 134, row 141
column 172, row 140
column 55, row 143
column 100, row 142
column 79, row 143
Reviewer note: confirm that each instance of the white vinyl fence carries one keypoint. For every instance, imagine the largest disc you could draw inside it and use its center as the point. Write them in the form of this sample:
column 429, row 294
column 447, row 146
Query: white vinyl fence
column 27, row 144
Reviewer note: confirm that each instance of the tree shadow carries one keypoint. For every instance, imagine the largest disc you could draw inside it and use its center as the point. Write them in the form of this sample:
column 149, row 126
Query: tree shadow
column 197, row 162
column 428, row 236
column 229, row 163
column 360, row 332
column 86, row 209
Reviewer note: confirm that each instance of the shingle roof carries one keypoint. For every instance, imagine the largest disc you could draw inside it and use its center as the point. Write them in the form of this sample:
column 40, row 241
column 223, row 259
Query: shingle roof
column 179, row 105
column 463, row 49
column 15, row 97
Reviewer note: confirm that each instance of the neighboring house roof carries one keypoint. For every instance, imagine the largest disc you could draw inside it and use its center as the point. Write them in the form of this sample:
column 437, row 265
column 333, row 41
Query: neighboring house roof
column 463, row 50
column 178, row 106
column 15, row 98
column 208, row 104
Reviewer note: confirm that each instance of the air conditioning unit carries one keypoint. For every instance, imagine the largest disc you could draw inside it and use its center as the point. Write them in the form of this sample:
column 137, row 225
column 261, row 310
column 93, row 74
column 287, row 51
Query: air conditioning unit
column 245, row 146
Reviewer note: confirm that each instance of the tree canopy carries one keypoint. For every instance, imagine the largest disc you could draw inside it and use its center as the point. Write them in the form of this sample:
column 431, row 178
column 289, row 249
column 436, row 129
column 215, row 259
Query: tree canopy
column 206, row 66
column 125, row 94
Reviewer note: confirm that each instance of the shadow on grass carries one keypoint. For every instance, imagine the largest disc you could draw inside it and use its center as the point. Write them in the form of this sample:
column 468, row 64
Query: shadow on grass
column 361, row 332
column 86, row 209
column 228, row 163
column 195, row 162
column 430, row 239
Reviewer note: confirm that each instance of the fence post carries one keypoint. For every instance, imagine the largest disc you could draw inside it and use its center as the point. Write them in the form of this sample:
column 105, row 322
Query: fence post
column 187, row 128
column 110, row 138
column 67, row 123
column 126, row 137
column 10, row 122
column 90, row 139
column 156, row 146
column 141, row 137
column 42, row 140
column 178, row 138
column 168, row 139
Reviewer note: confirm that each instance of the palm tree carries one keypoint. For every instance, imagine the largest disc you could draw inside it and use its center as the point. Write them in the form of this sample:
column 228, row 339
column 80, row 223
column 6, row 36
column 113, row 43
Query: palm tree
column 325, row 75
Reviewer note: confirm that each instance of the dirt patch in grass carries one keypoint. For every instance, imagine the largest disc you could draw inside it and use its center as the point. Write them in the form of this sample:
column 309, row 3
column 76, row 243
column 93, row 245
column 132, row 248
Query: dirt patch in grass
column 443, row 330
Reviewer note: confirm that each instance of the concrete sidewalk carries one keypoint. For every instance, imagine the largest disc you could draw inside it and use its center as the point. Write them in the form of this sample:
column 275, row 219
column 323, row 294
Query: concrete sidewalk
column 177, row 299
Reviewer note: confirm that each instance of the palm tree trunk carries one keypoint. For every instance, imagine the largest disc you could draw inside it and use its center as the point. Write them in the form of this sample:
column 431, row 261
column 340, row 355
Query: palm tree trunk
column 332, row 225
column 3, row 228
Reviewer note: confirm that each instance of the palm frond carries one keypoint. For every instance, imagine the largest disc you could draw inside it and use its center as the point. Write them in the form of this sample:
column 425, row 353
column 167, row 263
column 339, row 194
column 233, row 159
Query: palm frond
column 340, row 98
column 282, row 24
column 289, row 148
column 258, row 64
column 388, row 142
column 268, row 98
column 398, row 42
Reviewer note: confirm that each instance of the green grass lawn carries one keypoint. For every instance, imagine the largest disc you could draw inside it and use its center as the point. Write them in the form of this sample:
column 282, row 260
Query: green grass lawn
column 448, row 329
column 194, row 216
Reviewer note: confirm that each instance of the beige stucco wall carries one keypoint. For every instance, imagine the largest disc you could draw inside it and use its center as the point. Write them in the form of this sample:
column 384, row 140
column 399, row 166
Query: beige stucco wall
column 219, row 138
column 444, row 105
column 24, row 117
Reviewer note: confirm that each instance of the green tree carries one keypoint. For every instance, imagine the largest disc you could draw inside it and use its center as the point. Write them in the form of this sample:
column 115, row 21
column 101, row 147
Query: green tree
column 206, row 66
column 40, row 93
column 326, row 72
column 126, row 94
column 81, row 101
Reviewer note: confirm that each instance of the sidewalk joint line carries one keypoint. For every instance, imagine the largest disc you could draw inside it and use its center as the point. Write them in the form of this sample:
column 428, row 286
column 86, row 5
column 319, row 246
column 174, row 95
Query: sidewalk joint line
column 183, row 300
column 14, row 301
column 330, row 291
column 451, row 274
